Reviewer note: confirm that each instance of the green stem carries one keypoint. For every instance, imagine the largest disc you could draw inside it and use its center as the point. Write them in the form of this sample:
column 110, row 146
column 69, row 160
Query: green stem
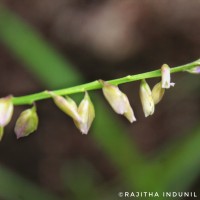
column 30, row 99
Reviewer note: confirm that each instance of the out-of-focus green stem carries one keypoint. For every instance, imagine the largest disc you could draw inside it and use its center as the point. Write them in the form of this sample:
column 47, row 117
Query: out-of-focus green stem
column 29, row 99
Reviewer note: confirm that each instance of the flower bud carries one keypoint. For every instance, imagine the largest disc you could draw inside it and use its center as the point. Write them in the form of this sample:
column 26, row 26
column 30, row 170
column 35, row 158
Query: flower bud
column 26, row 123
column 157, row 93
column 166, row 77
column 67, row 105
column 118, row 100
column 6, row 112
column 194, row 70
column 87, row 114
column 146, row 99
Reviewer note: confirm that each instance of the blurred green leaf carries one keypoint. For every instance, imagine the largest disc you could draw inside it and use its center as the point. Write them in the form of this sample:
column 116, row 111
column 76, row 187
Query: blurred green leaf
column 180, row 162
column 44, row 62
column 79, row 177
column 13, row 187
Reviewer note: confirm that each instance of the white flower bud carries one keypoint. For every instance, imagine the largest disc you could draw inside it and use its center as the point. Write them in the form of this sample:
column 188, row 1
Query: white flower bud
column 87, row 113
column 6, row 112
column 26, row 123
column 157, row 93
column 146, row 99
column 118, row 100
column 67, row 105
column 166, row 77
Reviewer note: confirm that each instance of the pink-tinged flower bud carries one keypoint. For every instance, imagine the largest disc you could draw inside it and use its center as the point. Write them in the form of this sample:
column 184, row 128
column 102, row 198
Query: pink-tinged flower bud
column 118, row 100
column 166, row 77
column 27, row 123
column 146, row 99
column 158, row 93
column 194, row 70
column 87, row 114
column 67, row 105
column 6, row 112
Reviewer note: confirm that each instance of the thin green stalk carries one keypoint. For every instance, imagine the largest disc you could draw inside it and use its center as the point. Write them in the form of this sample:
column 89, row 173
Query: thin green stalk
column 29, row 99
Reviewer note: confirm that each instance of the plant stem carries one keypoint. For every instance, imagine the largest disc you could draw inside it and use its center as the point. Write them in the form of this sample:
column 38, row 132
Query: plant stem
column 30, row 99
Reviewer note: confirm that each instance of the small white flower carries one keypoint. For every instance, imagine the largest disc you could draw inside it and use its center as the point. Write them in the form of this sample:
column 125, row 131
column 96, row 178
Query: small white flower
column 67, row 105
column 118, row 100
column 146, row 99
column 87, row 114
column 6, row 112
column 166, row 77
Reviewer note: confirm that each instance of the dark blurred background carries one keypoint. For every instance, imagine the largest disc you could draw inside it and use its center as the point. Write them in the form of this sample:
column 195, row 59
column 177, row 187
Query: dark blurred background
column 103, row 40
